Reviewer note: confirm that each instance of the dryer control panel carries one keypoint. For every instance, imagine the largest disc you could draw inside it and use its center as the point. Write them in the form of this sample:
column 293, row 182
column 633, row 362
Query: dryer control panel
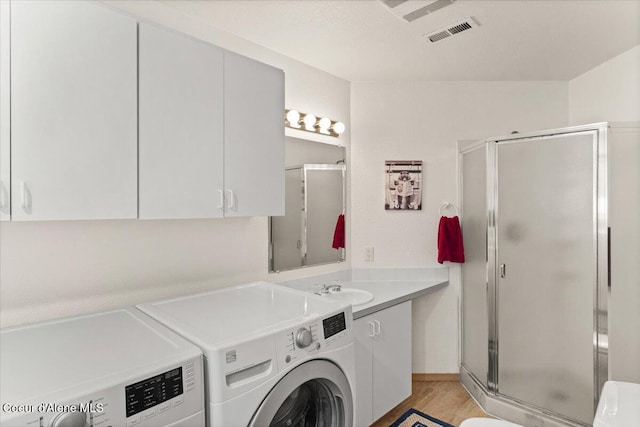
column 162, row 398
column 327, row 333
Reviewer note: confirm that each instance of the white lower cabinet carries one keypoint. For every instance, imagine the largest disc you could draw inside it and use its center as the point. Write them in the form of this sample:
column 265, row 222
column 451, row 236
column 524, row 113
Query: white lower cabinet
column 383, row 361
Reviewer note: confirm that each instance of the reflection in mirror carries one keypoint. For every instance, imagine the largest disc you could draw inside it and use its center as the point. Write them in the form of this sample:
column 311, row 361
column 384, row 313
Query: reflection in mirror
column 314, row 198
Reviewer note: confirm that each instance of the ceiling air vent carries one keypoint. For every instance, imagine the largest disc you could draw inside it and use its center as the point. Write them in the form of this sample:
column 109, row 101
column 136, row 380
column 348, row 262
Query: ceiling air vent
column 451, row 30
column 439, row 36
column 410, row 10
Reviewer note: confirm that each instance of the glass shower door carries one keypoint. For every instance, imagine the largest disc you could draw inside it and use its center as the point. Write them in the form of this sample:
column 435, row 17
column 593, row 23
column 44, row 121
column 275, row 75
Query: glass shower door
column 475, row 310
column 547, row 272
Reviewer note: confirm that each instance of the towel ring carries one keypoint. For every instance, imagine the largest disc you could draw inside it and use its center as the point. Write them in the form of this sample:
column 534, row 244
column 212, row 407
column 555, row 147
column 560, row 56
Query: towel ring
column 448, row 205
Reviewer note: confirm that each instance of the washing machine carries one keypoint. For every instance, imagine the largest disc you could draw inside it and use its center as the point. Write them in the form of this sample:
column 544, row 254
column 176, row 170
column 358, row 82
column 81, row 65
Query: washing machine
column 118, row 368
column 274, row 356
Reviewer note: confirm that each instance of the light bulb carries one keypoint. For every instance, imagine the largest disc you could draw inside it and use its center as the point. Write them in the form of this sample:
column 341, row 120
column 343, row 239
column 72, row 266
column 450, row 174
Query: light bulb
column 309, row 122
column 324, row 124
column 292, row 117
column 338, row 127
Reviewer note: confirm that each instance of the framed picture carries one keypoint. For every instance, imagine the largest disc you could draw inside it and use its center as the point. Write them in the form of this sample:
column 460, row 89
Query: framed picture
column 403, row 185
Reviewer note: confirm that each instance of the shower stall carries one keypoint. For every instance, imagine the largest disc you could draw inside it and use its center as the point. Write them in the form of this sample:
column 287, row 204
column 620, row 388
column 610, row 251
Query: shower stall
column 535, row 285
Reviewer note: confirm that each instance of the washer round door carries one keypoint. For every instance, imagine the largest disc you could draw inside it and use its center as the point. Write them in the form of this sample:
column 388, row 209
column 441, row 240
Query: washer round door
column 314, row 394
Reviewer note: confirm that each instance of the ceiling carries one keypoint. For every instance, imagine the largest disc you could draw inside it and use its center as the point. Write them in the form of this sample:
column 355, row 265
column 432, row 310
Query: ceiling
column 362, row 40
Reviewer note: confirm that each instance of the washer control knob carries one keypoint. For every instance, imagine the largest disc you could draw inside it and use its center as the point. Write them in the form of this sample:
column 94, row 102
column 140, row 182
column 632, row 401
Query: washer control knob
column 69, row 419
column 303, row 337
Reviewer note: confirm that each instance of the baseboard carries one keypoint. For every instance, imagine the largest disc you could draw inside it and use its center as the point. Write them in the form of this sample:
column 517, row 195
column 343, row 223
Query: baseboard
column 435, row 377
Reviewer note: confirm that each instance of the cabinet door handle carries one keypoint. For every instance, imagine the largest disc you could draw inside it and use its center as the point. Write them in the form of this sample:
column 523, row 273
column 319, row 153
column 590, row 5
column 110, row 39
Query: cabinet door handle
column 232, row 203
column 377, row 327
column 372, row 329
column 221, row 201
column 503, row 271
column 26, row 196
column 3, row 196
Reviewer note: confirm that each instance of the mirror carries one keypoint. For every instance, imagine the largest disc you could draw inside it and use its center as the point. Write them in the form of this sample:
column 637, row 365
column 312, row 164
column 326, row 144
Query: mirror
column 315, row 196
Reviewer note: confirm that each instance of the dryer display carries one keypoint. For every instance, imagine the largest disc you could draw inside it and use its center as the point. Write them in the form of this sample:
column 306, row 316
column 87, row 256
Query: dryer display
column 146, row 377
column 153, row 391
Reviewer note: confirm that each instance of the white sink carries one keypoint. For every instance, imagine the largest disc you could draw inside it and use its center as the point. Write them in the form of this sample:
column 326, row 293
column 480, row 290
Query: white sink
column 350, row 296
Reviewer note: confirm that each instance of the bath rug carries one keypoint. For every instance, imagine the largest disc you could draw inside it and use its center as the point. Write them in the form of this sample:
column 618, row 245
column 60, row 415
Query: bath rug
column 415, row 418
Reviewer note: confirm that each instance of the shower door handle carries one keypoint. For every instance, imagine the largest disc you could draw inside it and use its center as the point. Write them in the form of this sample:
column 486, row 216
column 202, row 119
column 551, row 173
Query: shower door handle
column 503, row 271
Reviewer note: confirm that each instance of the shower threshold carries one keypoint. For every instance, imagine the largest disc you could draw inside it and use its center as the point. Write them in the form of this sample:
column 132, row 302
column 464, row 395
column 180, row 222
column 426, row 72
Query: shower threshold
column 509, row 409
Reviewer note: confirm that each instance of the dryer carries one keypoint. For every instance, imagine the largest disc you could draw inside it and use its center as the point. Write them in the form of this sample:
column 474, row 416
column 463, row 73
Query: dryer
column 118, row 368
column 274, row 356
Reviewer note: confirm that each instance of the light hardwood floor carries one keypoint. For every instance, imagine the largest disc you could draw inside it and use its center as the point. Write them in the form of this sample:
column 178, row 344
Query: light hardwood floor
column 445, row 400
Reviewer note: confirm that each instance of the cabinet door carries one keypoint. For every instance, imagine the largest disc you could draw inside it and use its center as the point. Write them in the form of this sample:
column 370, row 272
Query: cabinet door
column 73, row 111
column 254, row 137
column 180, row 119
column 5, row 116
column 391, row 358
column 363, row 346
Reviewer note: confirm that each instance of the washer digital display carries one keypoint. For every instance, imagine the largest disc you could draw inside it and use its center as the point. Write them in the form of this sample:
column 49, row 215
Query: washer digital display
column 153, row 391
column 334, row 324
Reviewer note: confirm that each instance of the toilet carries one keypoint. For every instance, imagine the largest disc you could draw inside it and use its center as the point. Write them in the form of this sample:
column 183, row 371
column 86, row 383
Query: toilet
column 617, row 407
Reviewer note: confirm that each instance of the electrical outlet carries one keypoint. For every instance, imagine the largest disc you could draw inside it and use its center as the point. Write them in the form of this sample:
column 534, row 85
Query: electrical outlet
column 369, row 254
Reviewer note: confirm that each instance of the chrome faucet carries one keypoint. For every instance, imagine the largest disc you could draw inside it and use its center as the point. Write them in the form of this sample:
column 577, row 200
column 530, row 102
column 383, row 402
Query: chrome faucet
column 326, row 288
column 335, row 288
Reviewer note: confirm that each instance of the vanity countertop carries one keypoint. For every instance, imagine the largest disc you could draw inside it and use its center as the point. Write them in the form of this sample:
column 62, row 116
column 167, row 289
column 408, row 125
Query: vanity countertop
column 388, row 293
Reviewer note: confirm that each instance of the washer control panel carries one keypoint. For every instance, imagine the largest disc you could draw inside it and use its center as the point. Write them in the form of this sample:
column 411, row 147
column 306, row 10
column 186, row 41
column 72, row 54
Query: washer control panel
column 155, row 400
column 295, row 345
column 334, row 325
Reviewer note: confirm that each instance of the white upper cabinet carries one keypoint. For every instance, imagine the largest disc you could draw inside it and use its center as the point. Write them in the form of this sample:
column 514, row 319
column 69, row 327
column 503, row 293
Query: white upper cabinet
column 5, row 115
column 211, row 130
column 105, row 118
column 180, row 126
column 254, row 137
column 73, row 111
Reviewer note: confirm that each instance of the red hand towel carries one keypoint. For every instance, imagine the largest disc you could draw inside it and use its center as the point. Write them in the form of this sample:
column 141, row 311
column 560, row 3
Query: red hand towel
column 338, row 234
column 450, row 247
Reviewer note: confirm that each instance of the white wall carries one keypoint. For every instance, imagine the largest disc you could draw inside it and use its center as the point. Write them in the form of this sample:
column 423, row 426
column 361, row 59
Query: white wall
column 608, row 92
column 423, row 121
column 51, row 269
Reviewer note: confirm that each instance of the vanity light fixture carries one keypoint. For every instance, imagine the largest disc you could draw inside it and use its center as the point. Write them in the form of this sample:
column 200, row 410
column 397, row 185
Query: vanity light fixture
column 323, row 125
column 337, row 127
column 293, row 119
column 310, row 123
